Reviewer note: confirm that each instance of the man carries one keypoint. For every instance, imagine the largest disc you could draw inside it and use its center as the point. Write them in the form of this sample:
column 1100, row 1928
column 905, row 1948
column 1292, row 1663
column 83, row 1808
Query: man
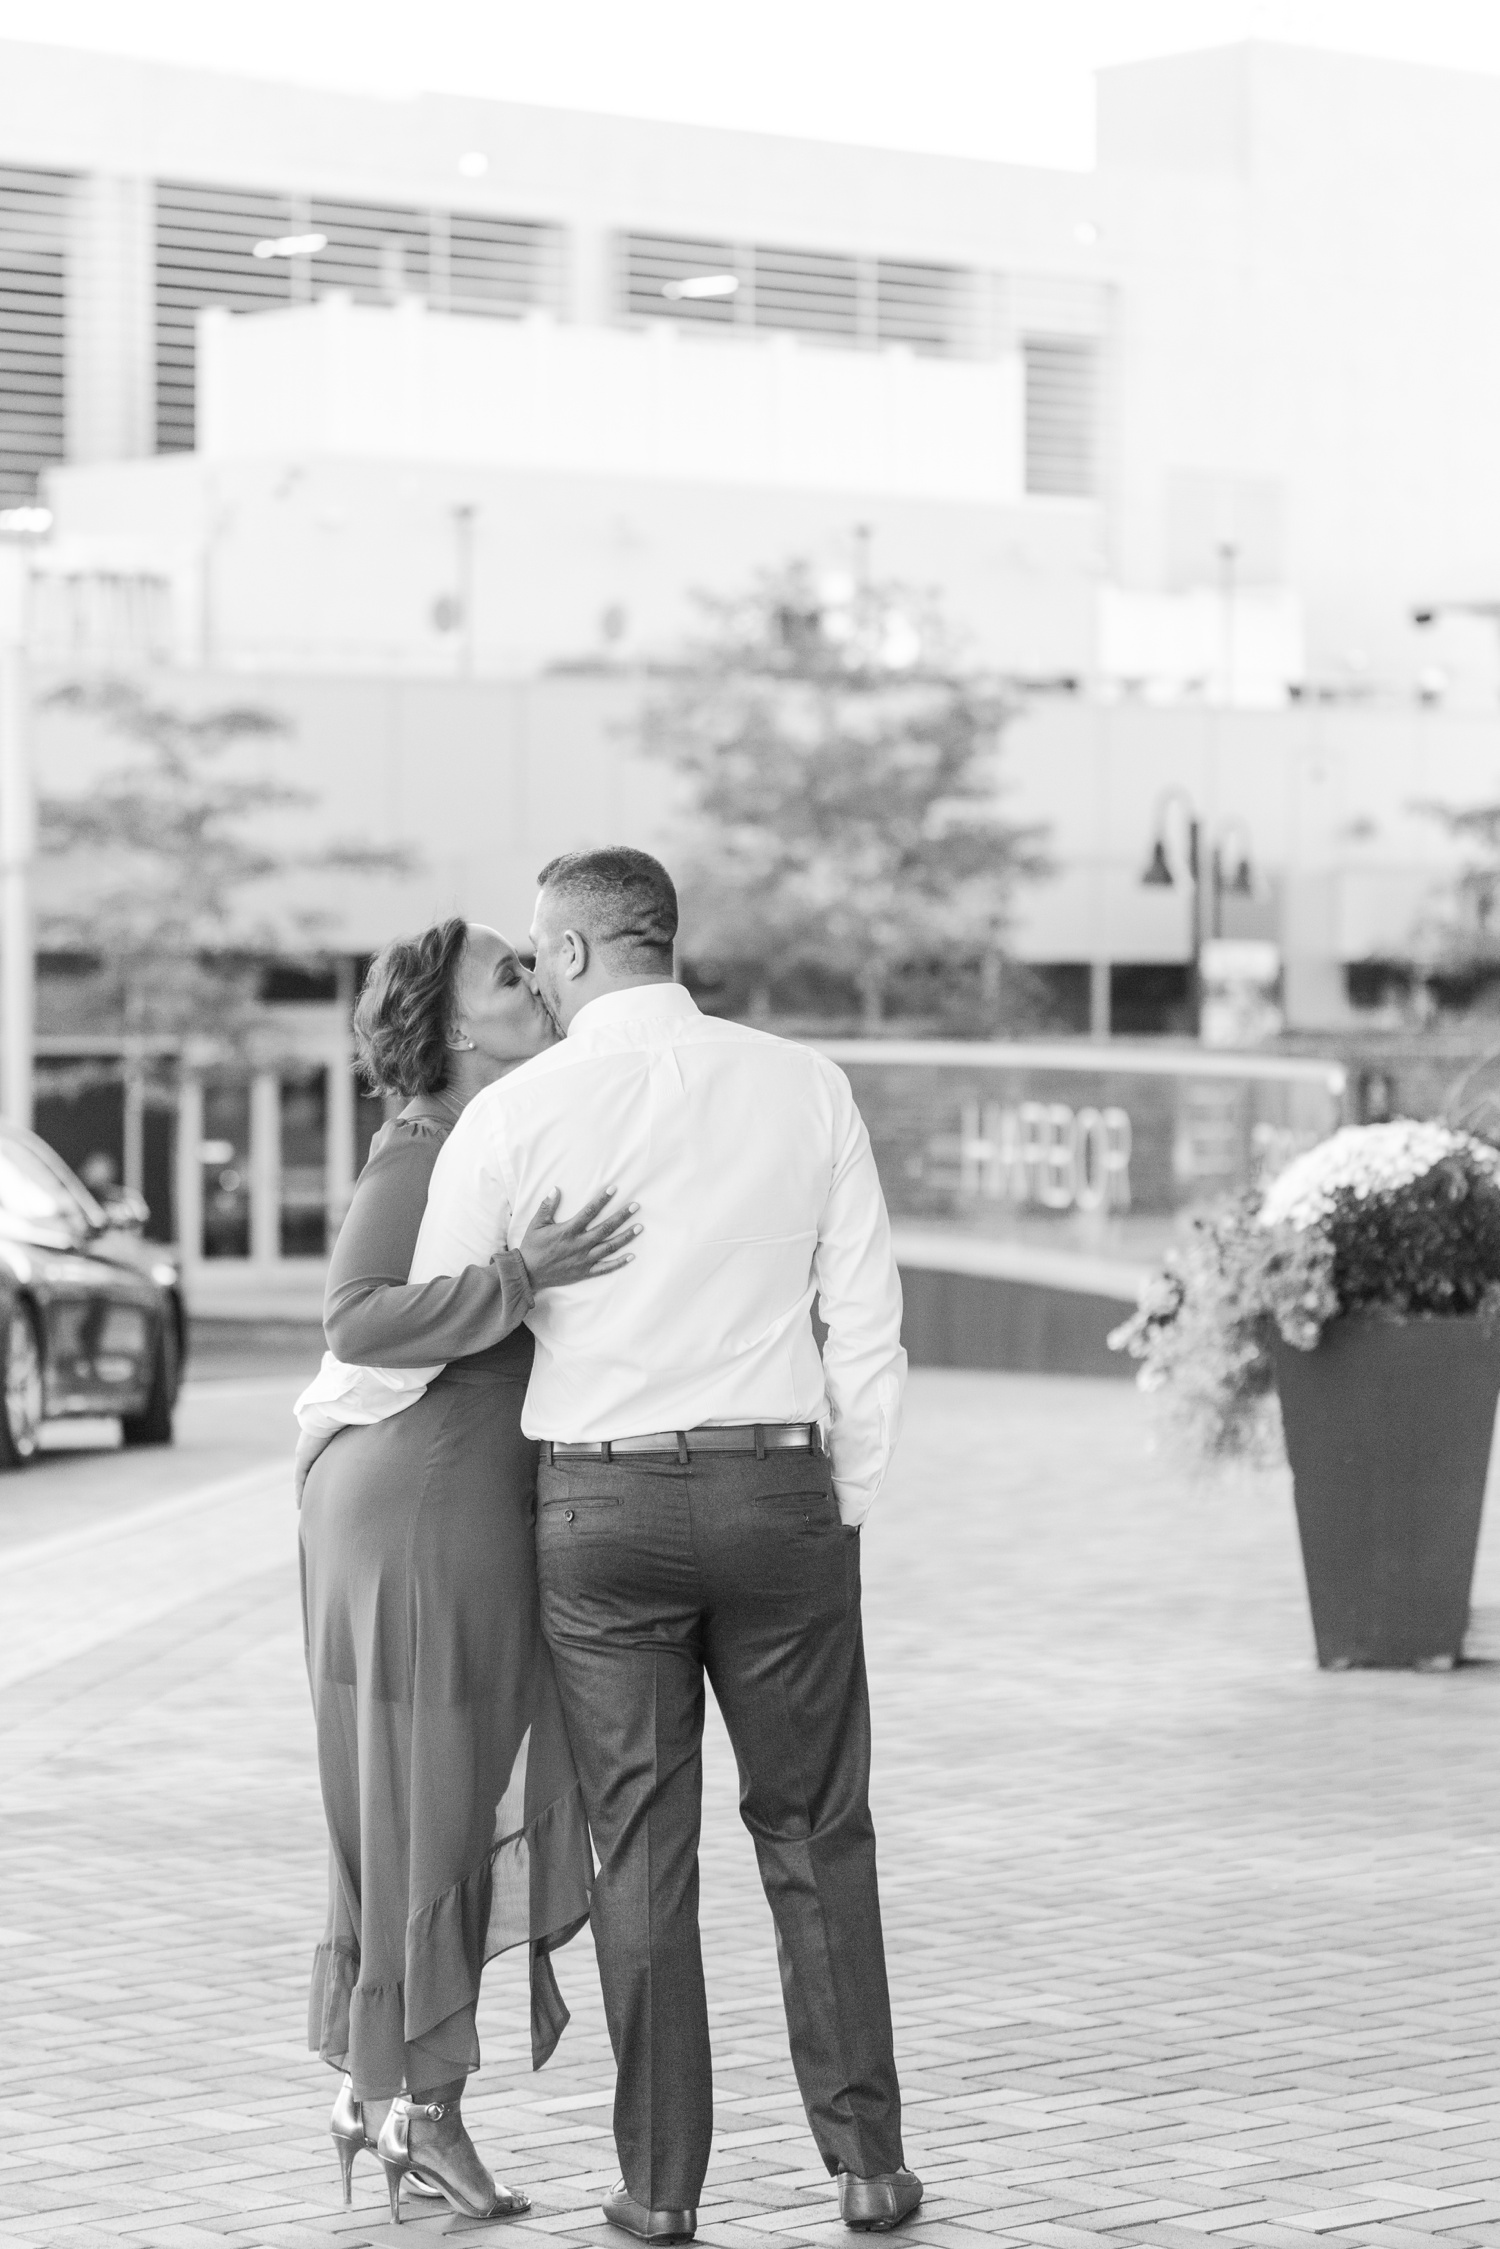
column 690, row 1520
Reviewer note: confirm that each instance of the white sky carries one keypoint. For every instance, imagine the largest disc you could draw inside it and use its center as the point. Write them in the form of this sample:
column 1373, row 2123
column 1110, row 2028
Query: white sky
column 999, row 78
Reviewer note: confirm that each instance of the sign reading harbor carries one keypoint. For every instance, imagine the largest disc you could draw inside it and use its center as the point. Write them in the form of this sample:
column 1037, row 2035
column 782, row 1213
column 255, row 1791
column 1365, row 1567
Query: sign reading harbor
column 981, row 1135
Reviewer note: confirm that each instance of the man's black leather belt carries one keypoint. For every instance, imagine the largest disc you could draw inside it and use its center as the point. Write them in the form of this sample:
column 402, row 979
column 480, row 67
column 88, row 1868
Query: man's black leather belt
column 680, row 1444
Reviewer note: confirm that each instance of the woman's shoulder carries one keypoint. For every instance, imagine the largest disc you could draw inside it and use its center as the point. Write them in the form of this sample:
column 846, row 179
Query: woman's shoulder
column 389, row 1197
column 419, row 1131
column 405, row 1145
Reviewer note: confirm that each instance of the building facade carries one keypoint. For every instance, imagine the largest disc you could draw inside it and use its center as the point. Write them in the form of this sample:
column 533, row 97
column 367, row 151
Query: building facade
column 1251, row 353
column 429, row 417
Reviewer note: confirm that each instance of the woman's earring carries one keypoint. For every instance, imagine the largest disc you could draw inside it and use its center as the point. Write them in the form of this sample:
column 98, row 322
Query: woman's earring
column 460, row 1045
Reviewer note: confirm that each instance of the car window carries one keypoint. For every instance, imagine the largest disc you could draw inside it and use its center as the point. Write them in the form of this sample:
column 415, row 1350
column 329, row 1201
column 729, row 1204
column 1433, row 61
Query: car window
column 28, row 1190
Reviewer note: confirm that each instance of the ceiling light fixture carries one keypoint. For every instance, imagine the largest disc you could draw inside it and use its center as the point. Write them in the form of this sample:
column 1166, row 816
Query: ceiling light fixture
column 474, row 164
column 703, row 285
column 291, row 246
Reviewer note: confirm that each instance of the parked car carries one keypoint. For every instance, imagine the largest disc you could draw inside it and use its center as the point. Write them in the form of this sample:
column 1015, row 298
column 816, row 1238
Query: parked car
column 91, row 1315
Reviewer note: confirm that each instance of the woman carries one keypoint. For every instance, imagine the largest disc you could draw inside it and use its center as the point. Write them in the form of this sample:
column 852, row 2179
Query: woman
column 454, row 1817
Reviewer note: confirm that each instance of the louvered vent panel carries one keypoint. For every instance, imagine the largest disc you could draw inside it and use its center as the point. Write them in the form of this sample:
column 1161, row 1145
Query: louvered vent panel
column 651, row 265
column 500, row 266
column 1062, row 394
column 460, row 261
column 820, row 294
column 205, row 240
column 931, row 308
column 457, row 261
column 377, row 254
column 33, row 239
column 811, row 292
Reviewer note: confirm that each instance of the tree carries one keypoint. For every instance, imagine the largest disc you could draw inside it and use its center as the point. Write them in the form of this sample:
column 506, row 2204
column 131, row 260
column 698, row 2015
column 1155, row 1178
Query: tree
column 1455, row 949
column 155, row 870
column 841, row 781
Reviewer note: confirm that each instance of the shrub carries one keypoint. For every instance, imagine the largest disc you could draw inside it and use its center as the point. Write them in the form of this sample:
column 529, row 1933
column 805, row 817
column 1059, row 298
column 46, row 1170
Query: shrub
column 1395, row 1221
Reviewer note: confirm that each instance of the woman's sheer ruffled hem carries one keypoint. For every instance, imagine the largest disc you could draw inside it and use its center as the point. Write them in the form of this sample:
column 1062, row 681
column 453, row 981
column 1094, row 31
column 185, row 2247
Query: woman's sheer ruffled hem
column 335, row 1973
column 533, row 1887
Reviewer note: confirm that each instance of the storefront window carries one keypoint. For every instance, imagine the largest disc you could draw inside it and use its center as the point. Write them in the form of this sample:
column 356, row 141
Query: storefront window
column 225, row 1150
column 304, row 1168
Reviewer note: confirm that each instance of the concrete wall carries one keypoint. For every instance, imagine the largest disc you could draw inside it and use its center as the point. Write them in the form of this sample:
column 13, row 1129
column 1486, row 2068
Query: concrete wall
column 484, row 780
column 1327, row 800
column 1305, row 242
column 480, row 782
column 110, row 373
column 338, row 564
column 403, row 384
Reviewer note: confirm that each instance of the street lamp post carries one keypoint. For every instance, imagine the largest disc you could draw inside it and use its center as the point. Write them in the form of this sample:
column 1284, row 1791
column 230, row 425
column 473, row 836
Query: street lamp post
column 19, row 529
column 1224, row 866
column 1433, row 612
column 1229, row 871
column 463, row 533
column 1228, row 560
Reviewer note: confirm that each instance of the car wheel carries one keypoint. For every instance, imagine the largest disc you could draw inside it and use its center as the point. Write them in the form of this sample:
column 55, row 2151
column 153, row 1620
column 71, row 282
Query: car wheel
column 21, row 1416
column 153, row 1424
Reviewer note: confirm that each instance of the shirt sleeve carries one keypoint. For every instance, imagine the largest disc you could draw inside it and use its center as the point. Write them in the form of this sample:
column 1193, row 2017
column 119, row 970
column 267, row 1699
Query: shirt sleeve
column 859, row 1300
column 341, row 1397
column 383, row 1320
column 389, row 1338
column 468, row 1200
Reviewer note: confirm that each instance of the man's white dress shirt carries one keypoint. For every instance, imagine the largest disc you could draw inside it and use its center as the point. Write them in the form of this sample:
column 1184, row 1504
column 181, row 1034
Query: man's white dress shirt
column 757, row 1193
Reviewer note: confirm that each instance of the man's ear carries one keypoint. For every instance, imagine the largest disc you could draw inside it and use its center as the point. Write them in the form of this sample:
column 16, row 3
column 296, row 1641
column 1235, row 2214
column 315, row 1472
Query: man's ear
column 575, row 954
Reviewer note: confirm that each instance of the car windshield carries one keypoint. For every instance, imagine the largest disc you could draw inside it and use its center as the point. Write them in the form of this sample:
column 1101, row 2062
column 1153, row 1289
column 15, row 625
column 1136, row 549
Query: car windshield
column 28, row 1190
column 38, row 1188
column 65, row 1182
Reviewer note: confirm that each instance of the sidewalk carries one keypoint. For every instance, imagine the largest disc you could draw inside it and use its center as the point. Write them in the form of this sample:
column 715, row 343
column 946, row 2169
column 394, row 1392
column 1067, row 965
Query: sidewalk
column 1189, row 1942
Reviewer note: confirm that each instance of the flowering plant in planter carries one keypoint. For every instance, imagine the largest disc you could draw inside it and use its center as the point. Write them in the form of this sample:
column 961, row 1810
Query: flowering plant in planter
column 1396, row 1220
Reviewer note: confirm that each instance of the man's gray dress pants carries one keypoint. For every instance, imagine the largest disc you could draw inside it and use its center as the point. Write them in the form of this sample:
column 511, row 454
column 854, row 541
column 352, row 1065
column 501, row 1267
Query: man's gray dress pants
column 653, row 1574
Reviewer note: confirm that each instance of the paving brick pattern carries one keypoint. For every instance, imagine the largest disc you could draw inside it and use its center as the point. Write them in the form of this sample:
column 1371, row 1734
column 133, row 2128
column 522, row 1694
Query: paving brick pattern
column 1189, row 1943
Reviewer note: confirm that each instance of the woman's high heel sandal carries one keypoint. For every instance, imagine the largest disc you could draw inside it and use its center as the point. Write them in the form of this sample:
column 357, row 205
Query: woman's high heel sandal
column 436, row 2167
column 347, row 2127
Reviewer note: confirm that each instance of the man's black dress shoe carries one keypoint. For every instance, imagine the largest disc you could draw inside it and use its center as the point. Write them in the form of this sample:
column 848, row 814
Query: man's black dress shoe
column 653, row 2225
column 875, row 2205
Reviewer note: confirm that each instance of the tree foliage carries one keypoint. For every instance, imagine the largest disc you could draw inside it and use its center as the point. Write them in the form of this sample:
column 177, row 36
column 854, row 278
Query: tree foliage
column 841, row 780
column 1454, row 957
column 161, row 868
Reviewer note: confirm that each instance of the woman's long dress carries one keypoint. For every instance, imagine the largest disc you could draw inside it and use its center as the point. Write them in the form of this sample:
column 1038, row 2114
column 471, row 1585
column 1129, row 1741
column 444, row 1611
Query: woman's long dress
column 454, row 1816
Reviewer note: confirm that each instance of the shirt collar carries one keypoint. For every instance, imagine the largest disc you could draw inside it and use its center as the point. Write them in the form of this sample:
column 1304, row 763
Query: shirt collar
column 643, row 1003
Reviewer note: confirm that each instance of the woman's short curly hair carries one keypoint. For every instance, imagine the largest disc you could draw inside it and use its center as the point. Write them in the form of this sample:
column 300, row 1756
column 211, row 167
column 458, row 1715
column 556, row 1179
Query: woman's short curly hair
column 402, row 1015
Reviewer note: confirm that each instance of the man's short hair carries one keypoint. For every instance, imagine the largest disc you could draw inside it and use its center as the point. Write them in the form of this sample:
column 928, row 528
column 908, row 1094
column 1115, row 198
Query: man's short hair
column 624, row 901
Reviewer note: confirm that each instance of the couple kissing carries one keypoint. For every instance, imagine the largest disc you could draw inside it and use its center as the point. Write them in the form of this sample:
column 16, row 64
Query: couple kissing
column 574, row 1449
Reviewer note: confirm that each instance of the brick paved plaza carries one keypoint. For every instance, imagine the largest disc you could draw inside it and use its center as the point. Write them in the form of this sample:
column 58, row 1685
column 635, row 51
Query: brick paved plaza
column 1187, row 1940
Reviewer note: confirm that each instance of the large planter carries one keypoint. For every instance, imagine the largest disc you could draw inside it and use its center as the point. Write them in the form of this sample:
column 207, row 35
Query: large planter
column 1388, row 1427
